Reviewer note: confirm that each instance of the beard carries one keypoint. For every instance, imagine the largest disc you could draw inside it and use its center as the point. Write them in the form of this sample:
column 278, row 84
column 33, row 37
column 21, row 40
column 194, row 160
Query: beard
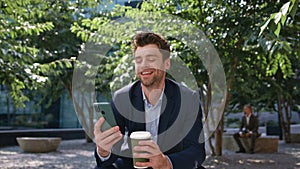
column 154, row 81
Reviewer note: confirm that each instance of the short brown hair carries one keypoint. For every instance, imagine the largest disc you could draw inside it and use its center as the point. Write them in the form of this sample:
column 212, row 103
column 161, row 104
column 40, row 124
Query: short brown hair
column 145, row 38
column 248, row 106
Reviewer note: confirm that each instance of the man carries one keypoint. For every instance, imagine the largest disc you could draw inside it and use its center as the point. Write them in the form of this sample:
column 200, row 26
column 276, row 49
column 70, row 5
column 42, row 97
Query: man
column 248, row 128
column 156, row 104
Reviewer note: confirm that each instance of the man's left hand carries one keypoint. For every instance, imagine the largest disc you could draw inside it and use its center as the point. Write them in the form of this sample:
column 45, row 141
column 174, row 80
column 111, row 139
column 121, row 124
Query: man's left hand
column 151, row 151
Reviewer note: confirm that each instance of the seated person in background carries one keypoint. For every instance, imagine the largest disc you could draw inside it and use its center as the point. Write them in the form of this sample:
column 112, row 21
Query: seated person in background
column 248, row 128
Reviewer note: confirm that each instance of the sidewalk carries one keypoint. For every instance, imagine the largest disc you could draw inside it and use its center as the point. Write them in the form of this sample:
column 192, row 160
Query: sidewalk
column 287, row 157
column 71, row 154
column 77, row 154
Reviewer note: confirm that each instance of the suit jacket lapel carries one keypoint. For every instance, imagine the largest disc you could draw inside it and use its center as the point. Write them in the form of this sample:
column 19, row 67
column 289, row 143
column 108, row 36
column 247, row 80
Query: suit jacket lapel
column 244, row 122
column 166, row 108
column 251, row 124
column 138, row 109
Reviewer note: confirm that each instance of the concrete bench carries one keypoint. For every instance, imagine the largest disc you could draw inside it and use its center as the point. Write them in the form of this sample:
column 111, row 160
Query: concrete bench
column 263, row 144
column 8, row 137
column 38, row 144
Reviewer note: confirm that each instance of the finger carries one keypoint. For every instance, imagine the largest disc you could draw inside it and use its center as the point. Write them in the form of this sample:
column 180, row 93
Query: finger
column 149, row 150
column 116, row 140
column 98, row 124
column 142, row 148
column 142, row 155
column 113, row 138
column 110, row 131
column 152, row 147
column 108, row 143
column 143, row 164
column 149, row 143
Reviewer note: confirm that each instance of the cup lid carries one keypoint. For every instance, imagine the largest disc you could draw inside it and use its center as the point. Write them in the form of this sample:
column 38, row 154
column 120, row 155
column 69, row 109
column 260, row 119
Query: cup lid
column 140, row 135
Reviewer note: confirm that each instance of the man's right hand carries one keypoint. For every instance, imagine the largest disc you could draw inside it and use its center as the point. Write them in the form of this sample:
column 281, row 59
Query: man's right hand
column 106, row 139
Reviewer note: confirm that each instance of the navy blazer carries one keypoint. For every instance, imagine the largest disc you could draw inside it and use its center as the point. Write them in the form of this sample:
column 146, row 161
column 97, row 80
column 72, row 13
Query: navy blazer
column 181, row 117
column 252, row 126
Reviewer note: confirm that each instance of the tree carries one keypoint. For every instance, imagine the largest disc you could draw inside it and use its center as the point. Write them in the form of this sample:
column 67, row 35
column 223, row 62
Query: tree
column 39, row 49
column 283, row 27
column 19, row 22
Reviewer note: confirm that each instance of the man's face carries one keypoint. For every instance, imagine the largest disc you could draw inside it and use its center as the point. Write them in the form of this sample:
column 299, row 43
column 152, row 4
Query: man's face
column 150, row 67
column 247, row 111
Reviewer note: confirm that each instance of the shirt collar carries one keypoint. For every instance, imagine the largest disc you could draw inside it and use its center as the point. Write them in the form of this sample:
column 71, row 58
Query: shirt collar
column 160, row 97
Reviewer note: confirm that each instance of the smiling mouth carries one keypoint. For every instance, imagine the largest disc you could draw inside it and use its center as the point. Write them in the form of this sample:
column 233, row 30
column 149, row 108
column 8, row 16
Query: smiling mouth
column 146, row 73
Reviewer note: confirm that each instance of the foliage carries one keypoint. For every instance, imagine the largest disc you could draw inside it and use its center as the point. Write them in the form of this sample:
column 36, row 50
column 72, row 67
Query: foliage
column 280, row 17
column 19, row 22
column 37, row 46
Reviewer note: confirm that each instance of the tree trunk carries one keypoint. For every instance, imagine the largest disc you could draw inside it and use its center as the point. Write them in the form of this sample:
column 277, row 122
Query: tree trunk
column 88, row 139
column 81, row 115
column 211, row 146
column 288, row 123
column 220, row 128
column 284, row 123
column 218, row 136
column 280, row 114
column 206, row 104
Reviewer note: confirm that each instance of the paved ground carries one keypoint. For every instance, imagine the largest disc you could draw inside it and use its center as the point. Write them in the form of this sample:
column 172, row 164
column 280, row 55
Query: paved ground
column 77, row 154
column 287, row 157
column 71, row 154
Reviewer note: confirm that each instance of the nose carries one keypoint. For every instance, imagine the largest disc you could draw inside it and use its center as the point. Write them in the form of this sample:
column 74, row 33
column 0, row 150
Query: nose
column 144, row 63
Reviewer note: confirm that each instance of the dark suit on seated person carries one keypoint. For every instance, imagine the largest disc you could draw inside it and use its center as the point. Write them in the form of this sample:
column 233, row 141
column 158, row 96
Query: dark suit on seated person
column 248, row 128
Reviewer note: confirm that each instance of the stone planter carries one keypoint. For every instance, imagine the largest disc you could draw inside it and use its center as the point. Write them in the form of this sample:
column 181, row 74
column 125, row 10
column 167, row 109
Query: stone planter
column 38, row 144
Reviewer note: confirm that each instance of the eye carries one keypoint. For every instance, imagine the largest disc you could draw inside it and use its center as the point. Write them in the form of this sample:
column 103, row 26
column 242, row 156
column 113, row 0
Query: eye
column 138, row 59
column 151, row 58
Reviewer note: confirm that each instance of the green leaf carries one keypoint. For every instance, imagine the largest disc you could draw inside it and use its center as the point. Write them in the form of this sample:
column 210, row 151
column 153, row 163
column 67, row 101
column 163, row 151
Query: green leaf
column 262, row 29
column 293, row 8
column 285, row 8
column 277, row 31
column 283, row 19
column 277, row 17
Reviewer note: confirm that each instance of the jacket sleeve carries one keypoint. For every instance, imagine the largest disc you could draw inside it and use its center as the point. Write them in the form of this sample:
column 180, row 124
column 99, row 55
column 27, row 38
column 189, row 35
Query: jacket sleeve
column 243, row 123
column 255, row 124
column 193, row 153
column 105, row 163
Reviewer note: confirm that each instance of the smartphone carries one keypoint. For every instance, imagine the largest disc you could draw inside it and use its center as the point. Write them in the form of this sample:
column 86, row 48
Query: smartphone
column 103, row 109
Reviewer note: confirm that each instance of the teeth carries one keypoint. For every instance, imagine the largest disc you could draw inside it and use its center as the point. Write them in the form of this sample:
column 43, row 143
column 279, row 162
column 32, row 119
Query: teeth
column 146, row 73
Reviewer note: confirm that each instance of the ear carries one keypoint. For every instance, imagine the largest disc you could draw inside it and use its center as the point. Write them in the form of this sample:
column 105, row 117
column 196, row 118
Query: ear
column 167, row 64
